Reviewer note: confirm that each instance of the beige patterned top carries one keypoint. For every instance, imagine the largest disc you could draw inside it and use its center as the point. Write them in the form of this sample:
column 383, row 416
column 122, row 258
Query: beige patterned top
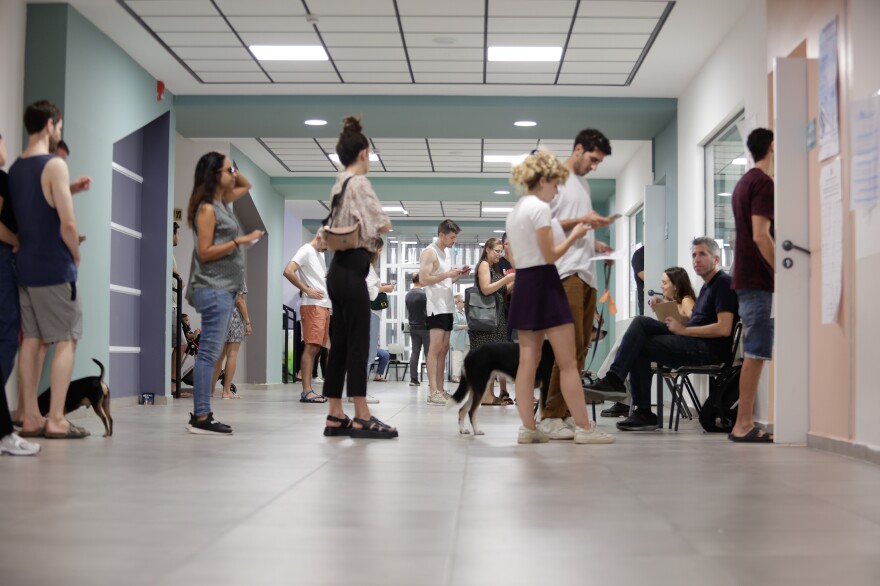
column 359, row 203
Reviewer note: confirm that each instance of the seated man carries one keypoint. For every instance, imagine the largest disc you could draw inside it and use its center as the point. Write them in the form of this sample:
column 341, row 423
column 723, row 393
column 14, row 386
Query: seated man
column 706, row 339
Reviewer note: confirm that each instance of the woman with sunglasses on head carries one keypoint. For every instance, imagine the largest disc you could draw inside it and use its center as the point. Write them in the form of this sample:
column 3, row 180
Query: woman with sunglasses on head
column 216, row 274
column 347, row 288
column 538, row 308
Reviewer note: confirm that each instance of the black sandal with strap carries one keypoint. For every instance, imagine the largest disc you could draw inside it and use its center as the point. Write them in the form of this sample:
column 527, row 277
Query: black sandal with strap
column 344, row 427
column 373, row 429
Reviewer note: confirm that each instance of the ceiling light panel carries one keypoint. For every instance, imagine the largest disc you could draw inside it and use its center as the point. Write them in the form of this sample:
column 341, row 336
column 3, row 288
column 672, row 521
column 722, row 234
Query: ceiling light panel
column 289, row 52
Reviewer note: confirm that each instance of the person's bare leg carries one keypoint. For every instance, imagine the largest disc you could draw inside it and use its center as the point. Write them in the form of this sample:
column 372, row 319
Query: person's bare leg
column 41, row 358
column 62, row 368
column 440, row 366
column 218, row 367
column 529, row 355
column 749, row 377
column 231, row 361
column 307, row 363
column 432, row 358
column 30, row 363
column 562, row 340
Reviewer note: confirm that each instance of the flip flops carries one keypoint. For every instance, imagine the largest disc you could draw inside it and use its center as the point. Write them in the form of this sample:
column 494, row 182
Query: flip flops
column 753, row 437
column 311, row 396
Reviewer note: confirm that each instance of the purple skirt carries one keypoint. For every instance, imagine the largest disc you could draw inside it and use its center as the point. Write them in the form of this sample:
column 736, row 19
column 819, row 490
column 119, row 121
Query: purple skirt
column 538, row 301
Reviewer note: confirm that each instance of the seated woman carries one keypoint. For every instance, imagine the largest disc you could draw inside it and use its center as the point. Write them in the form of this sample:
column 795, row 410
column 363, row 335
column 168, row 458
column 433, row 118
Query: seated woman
column 675, row 286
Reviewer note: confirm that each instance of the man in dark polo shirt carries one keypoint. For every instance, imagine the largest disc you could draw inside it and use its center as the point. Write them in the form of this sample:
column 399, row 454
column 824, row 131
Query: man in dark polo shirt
column 706, row 339
column 753, row 277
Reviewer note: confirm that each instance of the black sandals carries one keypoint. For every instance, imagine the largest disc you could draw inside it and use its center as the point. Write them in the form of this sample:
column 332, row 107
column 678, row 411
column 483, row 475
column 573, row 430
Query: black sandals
column 372, row 429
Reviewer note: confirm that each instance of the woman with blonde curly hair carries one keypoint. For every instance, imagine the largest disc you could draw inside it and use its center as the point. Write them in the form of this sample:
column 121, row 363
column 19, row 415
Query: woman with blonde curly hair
column 539, row 307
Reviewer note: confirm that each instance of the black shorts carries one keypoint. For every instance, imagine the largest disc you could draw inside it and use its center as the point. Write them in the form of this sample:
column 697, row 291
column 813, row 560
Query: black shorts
column 440, row 321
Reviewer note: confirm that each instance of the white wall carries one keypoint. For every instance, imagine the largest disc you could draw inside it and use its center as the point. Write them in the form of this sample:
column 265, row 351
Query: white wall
column 629, row 194
column 733, row 78
column 864, row 79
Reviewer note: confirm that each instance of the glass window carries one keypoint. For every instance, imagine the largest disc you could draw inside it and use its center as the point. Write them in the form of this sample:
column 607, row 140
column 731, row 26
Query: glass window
column 726, row 162
column 636, row 239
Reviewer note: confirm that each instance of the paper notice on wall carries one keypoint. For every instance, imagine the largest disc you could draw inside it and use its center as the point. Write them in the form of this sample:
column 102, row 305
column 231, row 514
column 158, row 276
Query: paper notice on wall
column 865, row 164
column 832, row 239
column 829, row 133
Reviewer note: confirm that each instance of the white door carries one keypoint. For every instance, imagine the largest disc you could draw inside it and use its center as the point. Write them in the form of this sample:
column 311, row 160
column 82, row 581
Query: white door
column 792, row 300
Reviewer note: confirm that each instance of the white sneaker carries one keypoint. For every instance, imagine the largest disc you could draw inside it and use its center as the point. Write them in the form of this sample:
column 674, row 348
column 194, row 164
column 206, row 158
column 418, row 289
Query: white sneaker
column 446, row 395
column 15, row 446
column 370, row 399
column 317, row 379
column 592, row 436
column 531, row 436
column 436, row 398
column 556, row 429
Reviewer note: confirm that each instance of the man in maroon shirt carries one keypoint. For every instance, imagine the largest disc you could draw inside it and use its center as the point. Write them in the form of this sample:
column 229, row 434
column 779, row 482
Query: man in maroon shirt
column 753, row 276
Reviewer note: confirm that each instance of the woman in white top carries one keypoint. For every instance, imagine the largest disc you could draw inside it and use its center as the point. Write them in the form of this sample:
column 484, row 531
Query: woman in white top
column 538, row 306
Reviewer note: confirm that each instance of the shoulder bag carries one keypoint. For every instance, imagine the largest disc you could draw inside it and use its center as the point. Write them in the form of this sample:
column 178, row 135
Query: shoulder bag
column 340, row 237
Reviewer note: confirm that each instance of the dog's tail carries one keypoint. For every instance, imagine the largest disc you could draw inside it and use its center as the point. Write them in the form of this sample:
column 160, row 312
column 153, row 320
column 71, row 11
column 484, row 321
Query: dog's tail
column 460, row 393
column 101, row 366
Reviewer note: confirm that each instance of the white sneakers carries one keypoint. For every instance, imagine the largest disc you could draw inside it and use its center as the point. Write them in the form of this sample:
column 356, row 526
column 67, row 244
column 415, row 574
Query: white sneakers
column 13, row 445
column 531, row 436
column 594, row 435
column 437, row 398
column 370, row 399
column 556, row 429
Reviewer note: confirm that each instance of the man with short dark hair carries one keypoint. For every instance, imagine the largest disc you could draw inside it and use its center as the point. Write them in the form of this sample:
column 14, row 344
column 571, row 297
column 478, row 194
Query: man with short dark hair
column 753, row 278
column 706, row 339
column 437, row 275
column 416, row 312
column 46, row 266
column 573, row 206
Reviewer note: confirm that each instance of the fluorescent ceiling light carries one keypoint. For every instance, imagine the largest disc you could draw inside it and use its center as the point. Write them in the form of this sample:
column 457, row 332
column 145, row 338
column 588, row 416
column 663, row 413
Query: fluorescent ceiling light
column 499, row 231
column 403, row 242
column 502, row 192
column 335, row 158
column 512, row 159
column 398, row 209
column 525, row 123
column 741, row 161
column 316, row 122
column 497, row 210
column 723, row 195
column 525, row 53
column 289, row 52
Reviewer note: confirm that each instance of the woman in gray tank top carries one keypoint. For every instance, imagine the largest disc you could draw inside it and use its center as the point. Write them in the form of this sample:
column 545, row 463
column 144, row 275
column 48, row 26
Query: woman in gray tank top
column 216, row 274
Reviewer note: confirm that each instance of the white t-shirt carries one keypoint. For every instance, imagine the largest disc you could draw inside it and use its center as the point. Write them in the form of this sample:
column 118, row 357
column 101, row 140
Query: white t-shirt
column 573, row 201
column 312, row 271
column 528, row 215
column 373, row 288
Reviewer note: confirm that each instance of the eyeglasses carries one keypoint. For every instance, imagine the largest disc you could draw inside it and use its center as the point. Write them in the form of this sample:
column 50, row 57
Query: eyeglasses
column 231, row 170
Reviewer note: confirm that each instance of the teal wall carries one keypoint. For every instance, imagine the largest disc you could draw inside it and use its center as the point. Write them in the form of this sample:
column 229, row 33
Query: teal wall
column 270, row 205
column 666, row 173
column 106, row 96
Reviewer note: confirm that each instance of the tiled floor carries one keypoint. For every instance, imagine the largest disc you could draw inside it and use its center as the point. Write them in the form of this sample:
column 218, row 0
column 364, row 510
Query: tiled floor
column 278, row 503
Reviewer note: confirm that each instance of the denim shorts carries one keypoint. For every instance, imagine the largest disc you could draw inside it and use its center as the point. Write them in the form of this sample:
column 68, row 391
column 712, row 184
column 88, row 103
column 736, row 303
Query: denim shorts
column 754, row 310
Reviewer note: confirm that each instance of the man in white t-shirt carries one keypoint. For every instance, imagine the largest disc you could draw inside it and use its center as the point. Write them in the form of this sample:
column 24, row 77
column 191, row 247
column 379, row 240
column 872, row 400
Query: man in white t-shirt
column 308, row 273
column 573, row 206
column 436, row 274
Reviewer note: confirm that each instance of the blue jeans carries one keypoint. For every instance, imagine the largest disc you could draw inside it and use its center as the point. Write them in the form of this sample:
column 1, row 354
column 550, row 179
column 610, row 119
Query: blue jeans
column 9, row 326
column 375, row 321
column 384, row 358
column 215, row 307
column 648, row 340
column 754, row 311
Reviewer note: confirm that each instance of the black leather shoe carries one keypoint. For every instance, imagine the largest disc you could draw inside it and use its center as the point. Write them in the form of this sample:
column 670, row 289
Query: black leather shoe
column 616, row 410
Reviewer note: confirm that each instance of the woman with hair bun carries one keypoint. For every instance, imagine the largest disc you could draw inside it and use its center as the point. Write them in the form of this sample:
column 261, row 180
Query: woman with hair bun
column 538, row 306
column 347, row 288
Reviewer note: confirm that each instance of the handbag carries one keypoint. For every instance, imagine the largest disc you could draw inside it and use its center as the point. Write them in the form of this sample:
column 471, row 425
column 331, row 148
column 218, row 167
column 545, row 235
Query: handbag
column 480, row 310
column 340, row 237
column 380, row 302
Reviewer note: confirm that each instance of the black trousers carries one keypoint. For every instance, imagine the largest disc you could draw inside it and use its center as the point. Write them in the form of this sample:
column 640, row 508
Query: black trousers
column 420, row 338
column 350, row 337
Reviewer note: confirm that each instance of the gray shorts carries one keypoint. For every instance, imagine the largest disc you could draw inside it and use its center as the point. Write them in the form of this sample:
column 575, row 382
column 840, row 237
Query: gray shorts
column 52, row 313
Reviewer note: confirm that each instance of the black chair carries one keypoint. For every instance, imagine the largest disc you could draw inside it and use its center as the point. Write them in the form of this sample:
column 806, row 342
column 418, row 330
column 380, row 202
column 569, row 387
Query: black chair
column 678, row 381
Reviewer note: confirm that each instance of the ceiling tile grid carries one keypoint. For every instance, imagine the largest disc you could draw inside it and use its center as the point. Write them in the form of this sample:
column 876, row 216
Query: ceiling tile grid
column 405, row 42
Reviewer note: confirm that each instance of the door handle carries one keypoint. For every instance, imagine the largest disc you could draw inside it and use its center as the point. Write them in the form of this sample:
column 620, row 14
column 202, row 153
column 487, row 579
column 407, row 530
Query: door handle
column 788, row 245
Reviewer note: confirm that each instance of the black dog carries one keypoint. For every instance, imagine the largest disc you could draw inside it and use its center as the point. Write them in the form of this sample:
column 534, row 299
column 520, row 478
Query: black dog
column 90, row 390
column 483, row 364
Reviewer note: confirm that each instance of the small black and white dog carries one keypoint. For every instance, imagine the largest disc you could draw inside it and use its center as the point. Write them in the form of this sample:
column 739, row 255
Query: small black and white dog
column 89, row 391
column 486, row 362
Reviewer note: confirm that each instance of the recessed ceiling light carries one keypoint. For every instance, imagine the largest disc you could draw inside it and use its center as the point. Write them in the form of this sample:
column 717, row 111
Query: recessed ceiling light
column 512, row 159
column 724, row 195
column 335, row 158
column 289, row 52
column 315, row 122
column 525, row 123
column 497, row 210
column 502, row 192
column 499, row 231
column 525, row 53
column 741, row 161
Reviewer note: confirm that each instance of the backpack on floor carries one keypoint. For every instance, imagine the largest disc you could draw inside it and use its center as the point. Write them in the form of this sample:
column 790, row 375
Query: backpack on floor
column 718, row 413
